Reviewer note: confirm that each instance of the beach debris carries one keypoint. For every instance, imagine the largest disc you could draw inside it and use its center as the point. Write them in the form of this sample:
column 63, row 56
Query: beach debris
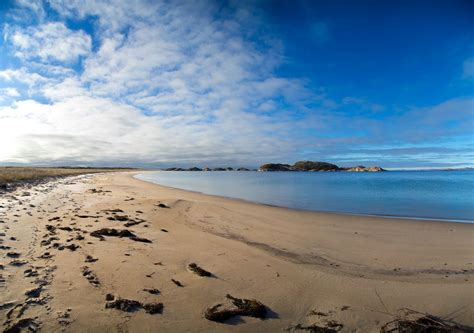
column 109, row 297
column 238, row 307
column 118, row 233
column 90, row 276
column 113, row 211
column 89, row 258
column 34, row 293
column 120, row 218
column 96, row 191
column 112, row 233
column 128, row 305
column 46, row 255
column 176, row 282
column 32, row 325
column 72, row 247
column 153, row 308
column 193, row 267
column 152, row 291
column 30, row 273
column 13, row 254
column 123, row 304
column 164, row 230
column 329, row 327
column 411, row 321
column 18, row 262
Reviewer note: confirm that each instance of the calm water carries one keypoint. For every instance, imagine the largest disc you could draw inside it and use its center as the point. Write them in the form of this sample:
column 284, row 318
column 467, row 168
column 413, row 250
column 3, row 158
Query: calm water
column 419, row 194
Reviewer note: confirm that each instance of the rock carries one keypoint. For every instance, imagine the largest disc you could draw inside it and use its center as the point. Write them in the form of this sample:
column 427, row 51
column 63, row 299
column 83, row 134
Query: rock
column 195, row 169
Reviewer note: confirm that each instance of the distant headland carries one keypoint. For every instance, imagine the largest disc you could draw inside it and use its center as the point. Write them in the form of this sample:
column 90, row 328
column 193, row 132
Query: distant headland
column 308, row 166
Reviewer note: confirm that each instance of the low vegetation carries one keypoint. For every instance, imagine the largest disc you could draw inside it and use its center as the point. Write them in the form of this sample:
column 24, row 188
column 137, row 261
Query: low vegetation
column 11, row 175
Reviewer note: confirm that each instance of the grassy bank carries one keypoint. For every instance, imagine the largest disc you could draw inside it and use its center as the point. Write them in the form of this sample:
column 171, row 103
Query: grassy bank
column 12, row 175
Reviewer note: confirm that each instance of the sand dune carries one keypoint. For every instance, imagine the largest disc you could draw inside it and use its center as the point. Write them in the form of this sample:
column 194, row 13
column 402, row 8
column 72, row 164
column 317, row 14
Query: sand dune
column 110, row 253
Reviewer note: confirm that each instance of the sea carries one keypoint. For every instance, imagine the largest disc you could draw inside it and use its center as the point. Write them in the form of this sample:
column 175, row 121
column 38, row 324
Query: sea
column 441, row 195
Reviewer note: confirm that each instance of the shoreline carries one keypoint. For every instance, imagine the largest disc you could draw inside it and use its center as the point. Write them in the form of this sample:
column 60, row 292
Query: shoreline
column 307, row 268
column 395, row 217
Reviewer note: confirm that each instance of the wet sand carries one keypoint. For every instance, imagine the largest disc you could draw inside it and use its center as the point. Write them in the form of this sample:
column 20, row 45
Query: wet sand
column 72, row 250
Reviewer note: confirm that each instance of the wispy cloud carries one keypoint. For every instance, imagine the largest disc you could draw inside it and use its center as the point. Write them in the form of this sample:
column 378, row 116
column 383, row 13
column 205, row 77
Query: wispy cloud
column 48, row 42
column 155, row 83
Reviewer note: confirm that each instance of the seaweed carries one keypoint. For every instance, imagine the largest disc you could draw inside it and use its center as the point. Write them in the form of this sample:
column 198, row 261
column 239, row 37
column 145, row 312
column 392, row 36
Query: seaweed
column 198, row 270
column 411, row 321
column 241, row 307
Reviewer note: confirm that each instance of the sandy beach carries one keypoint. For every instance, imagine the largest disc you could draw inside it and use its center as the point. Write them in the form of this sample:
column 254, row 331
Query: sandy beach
column 341, row 272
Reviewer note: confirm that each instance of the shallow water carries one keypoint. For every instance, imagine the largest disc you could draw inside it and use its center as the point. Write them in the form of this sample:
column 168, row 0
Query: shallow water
column 417, row 194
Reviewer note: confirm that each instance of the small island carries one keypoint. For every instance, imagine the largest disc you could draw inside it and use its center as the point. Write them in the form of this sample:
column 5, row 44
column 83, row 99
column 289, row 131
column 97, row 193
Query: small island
column 308, row 166
column 313, row 166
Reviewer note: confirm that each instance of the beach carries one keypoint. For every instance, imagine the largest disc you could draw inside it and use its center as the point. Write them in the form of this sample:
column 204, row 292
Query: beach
column 346, row 272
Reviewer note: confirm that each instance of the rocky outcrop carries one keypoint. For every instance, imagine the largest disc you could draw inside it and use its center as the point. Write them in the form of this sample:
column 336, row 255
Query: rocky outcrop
column 316, row 167
column 361, row 168
column 275, row 167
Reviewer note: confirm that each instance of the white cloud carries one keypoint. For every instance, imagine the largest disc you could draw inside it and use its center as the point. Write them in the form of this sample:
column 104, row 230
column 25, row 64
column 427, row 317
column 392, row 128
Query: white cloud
column 11, row 92
column 166, row 83
column 49, row 42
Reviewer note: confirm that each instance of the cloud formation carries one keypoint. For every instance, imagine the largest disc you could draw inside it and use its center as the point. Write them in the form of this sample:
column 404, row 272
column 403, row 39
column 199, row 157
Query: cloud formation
column 158, row 83
column 49, row 42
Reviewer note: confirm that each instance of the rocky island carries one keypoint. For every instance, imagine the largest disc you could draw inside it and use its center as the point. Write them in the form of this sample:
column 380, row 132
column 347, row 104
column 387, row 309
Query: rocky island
column 316, row 167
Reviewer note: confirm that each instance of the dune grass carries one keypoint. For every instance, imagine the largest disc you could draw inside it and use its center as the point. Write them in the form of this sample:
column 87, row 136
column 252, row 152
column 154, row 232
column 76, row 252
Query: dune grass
column 25, row 174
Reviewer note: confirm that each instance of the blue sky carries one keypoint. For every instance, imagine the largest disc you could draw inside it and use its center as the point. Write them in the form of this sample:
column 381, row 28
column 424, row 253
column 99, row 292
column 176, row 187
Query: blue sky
column 152, row 83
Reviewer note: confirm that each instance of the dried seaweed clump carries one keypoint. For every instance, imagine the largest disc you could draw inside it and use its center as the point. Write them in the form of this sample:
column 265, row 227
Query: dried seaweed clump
column 238, row 307
column 128, row 305
column 110, row 232
column 198, row 270
column 417, row 322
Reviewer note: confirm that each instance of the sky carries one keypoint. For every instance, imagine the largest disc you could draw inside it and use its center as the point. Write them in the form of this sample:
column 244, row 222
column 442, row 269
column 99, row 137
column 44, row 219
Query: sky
column 236, row 83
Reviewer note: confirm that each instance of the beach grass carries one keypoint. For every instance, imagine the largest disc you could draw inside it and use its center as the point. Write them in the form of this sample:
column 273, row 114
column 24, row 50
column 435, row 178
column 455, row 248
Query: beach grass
column 25, row 174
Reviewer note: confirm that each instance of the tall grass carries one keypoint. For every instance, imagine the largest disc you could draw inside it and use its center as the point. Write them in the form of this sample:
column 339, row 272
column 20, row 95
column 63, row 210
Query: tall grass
column 22, row 174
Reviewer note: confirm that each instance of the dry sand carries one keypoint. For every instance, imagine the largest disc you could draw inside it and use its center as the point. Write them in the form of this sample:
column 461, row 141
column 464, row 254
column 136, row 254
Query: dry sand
column 307, row 268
